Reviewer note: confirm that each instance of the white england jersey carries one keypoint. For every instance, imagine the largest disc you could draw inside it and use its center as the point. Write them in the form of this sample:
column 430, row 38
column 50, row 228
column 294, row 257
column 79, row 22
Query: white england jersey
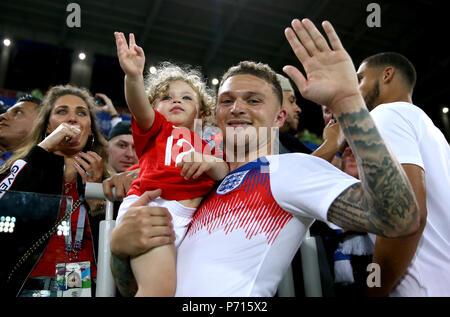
column 246, row 233
column 414, row 139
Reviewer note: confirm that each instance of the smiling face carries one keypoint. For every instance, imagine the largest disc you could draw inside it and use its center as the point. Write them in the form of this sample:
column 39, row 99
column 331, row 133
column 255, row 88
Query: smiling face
column 246, row 103
column 16, row 123
column 73, row 110
column 179, row 104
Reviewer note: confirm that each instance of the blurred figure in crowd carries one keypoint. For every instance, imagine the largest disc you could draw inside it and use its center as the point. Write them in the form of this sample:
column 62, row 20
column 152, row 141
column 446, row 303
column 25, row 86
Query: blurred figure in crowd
column 105, row 104
column 121, row 152
column 15, row 124
column 289, row 143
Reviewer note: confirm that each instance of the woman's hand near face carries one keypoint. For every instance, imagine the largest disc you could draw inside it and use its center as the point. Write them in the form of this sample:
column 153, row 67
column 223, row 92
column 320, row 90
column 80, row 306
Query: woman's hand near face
column 62, row 136
column 90, row 166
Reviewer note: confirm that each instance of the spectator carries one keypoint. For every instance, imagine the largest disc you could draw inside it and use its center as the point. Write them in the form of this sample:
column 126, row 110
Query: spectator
column 121, row 152
column 289, row 143
column 105, row 104
column 417, row 265
column 3, row 107
column 16, row 123
column 245, row 234
column 64, row 150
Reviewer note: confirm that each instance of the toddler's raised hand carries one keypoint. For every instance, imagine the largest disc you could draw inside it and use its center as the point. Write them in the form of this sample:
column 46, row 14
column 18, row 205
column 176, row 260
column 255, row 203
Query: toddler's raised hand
column 131, row 57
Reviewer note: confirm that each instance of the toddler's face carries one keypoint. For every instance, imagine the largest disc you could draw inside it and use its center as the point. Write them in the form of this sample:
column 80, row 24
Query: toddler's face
column 179, row 105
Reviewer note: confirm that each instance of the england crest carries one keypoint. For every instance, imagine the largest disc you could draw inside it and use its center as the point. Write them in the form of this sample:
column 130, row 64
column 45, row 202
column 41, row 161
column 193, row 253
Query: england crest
column 231, row 182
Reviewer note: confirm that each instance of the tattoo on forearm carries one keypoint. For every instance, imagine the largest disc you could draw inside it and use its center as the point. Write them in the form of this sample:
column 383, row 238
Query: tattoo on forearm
column 384, row 202
column 123, row 276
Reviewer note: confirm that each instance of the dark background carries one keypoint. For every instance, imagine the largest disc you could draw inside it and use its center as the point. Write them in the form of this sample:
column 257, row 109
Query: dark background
column 215, row 34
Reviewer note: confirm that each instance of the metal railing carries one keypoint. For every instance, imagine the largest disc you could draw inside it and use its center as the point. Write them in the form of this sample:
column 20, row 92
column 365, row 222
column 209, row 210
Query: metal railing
column 105, row 280
column 310, row 269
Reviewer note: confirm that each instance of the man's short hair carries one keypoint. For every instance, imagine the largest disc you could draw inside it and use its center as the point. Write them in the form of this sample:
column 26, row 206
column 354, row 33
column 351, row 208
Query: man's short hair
column 29, row 98
column 260, row 70
column 396, row 60
column 122, row 127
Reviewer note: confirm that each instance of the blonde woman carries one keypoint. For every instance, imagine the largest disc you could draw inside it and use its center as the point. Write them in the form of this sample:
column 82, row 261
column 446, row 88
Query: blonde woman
column 64, row 150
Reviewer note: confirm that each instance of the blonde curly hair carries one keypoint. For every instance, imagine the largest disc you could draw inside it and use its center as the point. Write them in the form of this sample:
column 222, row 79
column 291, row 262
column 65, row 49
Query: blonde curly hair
column 157, row 84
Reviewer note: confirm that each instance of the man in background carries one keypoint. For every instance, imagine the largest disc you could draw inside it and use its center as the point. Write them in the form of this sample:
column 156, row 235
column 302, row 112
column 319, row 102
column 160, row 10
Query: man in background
column 16, row 123
column 289, row 143
column 416, row 265
column 121, row 152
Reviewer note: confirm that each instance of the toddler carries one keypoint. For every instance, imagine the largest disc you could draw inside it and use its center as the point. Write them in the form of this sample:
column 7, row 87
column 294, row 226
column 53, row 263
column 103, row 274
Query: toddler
column 171, row 156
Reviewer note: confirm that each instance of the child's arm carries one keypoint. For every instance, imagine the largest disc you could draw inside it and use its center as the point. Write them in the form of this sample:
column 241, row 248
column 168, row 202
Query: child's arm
column 132, row 61
column 195, row 164
column 155, row 272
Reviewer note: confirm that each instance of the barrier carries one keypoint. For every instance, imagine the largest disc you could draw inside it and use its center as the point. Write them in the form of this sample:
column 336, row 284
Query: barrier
column 105, row 280
column 310, row 269
column 310, row 264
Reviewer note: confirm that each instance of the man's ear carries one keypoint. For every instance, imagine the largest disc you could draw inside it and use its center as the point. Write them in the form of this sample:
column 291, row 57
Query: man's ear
column 281, row 117
column 388, row 74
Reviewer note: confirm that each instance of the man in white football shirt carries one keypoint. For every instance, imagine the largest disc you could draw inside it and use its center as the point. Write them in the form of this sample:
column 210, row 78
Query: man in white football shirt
column 417, row 265
column 245, row 234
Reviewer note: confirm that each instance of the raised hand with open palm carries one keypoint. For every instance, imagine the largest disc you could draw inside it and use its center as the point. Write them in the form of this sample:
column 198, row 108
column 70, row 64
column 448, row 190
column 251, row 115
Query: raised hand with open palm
column 330, row 73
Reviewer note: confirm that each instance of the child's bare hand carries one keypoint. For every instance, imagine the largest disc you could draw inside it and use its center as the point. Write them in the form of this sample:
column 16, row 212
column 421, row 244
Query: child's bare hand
column 195, row 164
column 131, row 57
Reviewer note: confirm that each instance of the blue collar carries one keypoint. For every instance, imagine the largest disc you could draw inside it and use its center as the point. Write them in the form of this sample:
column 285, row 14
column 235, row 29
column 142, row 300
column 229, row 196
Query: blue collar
column 261, row 161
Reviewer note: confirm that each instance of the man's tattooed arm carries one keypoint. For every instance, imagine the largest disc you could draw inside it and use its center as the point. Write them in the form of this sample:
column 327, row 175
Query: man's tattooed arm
column 384, row 202
column 123, row 276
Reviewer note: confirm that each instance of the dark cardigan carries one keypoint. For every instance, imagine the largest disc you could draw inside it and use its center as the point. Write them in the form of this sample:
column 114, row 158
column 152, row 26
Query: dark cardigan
column 44, row 174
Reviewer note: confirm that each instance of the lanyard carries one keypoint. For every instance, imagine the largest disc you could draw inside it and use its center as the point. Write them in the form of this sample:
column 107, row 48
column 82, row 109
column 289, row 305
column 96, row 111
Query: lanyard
column 76, row 247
